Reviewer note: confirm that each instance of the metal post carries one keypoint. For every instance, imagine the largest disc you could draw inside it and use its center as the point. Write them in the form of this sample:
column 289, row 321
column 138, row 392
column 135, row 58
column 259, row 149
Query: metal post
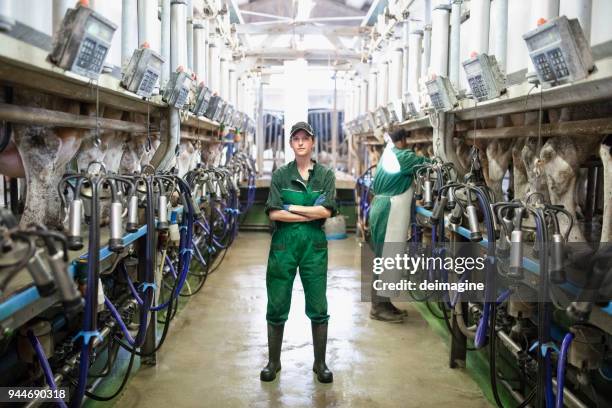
column 223, row 78
column 397, row 66
column 233, row 86
column 189, row 34
column 480, row 11
column 259, row 135
column 383, row 88
column 414, row 64
column 455, row 43
column 363, row 98
column 59, row 11
column 580, row 9
column 199, row 49
column 406, row 61
column 501, row 32
column 178, row 34
column 214, row 72
column 129, row 30
column 439, row 40
column 6, row 16
column 426, row 60
column 334, row 124
column 372, row 96
column 165, row 40
column 147, row 13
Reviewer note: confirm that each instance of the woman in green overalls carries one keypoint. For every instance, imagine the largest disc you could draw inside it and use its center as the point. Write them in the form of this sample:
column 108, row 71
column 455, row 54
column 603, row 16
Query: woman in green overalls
column 390, row 215
column 302, row 196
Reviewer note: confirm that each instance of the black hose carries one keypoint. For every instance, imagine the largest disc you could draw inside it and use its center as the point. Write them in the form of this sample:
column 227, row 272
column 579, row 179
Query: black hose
column 121, row 386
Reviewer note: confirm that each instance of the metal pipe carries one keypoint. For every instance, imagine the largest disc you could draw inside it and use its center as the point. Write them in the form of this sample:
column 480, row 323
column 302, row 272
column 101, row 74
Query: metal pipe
column 129, row 30
column 213, row 74
column 582, row 10
column 178, row 56
column 232, row 85
column 414, row 64
column 334, row 124
column 383, row 88
column 405, row 60
column 480, row 13
column 259, row 136
column 515, row 394
column 199, row 49
column 147, row 14
column 59, row 11
column 426, row 38
column 363, row 97
column 501, row 32
column 178, row 34
column 570, row 129
column 223, row 85
column 397, row 66
column 512, row 347
column 190, row 33
column 455, row 43
column 372, row 96
column 45, row 117
column 439, row 40
column 6, row 16
column 165, row 41
column 355, row 90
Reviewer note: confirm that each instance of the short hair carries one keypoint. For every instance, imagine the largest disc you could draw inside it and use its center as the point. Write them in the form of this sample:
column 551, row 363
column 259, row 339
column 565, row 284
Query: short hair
column 399, row 134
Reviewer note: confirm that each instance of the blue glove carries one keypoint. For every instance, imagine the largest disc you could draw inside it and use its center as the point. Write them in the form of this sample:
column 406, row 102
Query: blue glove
column 286, row 207
column 320, row 200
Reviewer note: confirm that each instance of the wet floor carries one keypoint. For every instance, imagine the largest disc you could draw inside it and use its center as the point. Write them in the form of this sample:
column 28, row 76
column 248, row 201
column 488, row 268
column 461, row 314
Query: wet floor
column 218, row 345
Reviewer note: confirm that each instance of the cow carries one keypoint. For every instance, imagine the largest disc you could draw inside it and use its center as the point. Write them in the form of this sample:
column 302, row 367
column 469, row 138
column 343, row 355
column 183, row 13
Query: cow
column 44, row 153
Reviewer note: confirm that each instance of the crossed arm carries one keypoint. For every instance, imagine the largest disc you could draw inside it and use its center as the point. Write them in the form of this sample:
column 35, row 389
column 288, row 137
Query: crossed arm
column 300, row 213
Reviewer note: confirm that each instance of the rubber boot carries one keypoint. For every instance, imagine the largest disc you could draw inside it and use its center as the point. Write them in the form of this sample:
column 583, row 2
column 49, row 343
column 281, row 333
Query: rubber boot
column 396, row 310
column 379, row 311
column 319, row 341
column 275, row 341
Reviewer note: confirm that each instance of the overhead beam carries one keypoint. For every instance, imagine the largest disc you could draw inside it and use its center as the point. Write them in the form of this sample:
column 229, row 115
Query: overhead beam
column 299, row 27
column 313, row 54
column 266, row 15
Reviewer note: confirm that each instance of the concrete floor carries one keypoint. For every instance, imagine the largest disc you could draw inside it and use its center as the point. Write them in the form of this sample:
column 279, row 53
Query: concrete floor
column 218, row 345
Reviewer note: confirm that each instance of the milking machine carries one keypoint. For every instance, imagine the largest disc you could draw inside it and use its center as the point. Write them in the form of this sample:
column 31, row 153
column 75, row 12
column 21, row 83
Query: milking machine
column 151, row 239
column 540, row 291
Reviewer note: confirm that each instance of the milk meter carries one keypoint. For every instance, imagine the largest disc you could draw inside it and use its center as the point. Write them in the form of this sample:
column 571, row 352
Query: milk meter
column 441, row 94
column 484, row 77
column 142, row 72
column 82, row 42
column 559, row 51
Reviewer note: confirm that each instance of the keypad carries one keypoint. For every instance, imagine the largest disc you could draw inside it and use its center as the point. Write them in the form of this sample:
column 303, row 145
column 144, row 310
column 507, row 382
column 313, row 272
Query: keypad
column 478, row 87
column 558, row 62
column 149, row 79
column 543, row 67
column 436, row 100
column 181, row 98
column 91, row 56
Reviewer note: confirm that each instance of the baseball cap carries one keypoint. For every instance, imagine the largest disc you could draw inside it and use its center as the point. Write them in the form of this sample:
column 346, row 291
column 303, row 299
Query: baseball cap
column 302, row 126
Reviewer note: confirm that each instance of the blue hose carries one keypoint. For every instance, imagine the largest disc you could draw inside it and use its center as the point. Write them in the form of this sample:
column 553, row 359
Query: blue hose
column 44, row 364
column 481, row 331
column 120, row 321
column 567, row 341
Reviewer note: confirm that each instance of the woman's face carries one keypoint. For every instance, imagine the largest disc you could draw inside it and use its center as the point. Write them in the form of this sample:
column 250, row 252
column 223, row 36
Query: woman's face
column 302, row 144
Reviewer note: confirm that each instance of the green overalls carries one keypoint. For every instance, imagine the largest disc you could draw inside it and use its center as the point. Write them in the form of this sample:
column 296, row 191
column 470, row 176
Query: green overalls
column 394, row 176
column 298, row 244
